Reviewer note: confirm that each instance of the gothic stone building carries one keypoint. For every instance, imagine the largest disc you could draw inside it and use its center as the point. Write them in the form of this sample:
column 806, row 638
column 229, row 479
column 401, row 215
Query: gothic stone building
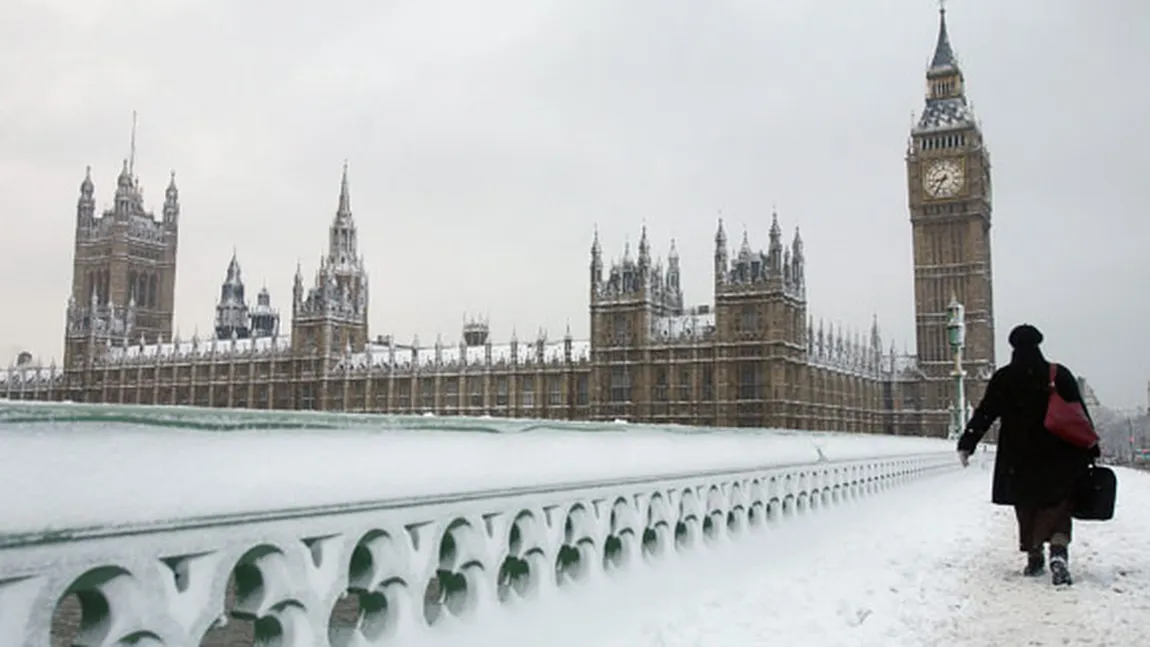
column 948, row 178
column 754, row 357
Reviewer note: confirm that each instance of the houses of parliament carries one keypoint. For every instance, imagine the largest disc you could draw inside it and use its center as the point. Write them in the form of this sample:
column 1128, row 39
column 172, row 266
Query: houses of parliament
column 752, row 358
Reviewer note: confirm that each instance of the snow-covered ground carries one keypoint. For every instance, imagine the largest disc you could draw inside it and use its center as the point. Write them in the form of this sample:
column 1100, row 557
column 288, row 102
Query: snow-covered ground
column 930, row 563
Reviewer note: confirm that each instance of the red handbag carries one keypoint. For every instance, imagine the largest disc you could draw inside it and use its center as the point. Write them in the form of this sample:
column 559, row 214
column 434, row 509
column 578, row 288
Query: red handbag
column 1068, row 420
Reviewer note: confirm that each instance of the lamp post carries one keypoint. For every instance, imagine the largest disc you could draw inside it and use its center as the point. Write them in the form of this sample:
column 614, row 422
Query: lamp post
column 956, row 335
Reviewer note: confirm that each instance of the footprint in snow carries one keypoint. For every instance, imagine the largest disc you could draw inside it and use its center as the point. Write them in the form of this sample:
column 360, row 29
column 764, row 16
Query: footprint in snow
column 853, row 617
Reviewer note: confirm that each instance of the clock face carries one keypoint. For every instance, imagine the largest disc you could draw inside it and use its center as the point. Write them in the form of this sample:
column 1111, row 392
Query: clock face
column 943, row 178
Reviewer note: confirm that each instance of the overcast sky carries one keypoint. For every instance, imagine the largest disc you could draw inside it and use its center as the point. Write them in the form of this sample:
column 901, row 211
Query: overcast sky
column 487, row 139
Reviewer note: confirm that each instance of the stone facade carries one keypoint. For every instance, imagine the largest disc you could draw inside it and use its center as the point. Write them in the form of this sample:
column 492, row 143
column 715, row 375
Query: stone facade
column 124, row 267
column 949, row 195
column 755, row 357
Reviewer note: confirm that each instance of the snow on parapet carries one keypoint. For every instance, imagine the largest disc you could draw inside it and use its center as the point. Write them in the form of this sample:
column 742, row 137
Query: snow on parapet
column 377, row 355
column 698, row 324
column 198, row 348
column 29, row 375
column 902, row 366
column 323, row 459
column 413, row 356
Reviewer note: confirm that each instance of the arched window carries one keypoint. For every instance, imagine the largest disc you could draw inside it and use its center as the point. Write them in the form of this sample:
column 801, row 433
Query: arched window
column 153, row 292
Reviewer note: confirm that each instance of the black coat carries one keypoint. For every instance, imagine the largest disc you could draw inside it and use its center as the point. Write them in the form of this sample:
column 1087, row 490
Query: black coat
column 1033, row 467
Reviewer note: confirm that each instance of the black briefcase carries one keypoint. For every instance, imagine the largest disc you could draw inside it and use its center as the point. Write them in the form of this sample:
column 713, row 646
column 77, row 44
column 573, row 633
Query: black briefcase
column 1095, row 494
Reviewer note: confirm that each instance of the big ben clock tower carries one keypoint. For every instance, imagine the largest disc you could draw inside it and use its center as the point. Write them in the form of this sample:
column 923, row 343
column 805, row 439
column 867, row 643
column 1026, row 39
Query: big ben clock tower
column 948, row 181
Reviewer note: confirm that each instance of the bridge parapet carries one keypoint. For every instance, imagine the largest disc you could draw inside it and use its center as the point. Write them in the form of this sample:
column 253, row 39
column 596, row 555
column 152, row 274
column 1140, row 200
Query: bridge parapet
column 300, row 529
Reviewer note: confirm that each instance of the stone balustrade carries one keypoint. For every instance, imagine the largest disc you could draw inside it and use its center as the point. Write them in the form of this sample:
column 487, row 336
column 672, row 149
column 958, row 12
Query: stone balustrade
column 146, row 533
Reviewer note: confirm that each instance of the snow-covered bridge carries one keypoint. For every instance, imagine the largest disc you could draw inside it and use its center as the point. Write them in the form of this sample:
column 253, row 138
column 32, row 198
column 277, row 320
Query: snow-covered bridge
column 175, row 526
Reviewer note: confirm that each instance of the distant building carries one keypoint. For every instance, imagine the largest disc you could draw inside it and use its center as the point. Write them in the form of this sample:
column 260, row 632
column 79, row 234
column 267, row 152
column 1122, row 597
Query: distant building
column 234, row 319
column 124, row 268
column 754, row 357
column 1088, row 396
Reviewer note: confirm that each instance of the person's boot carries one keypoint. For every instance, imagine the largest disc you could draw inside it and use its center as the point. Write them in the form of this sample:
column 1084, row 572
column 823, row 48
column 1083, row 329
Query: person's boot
column 1035, row 562
column 1060, row 566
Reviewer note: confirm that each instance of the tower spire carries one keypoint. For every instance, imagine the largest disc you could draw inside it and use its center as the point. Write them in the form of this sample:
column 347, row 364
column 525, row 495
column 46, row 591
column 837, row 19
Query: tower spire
column 132, row 148
column 344, row 194
column 943, row 52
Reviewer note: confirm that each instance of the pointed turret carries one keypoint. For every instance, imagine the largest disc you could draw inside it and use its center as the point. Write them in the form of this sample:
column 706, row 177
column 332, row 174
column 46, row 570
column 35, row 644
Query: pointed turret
column 125, row 190
column 171, row 201
column 721, row 260
column 342, row 237
column 232, row 309
column 297, row 287
column 596, row 264
column 233, row 276
column 343, row 210
column 264, row 319
column 745, row 246
column 87, row 187
column 124, row 184
column 644, row 251
column 568, row 344
column 775, row 251
column 798, row 263
column 86, row 204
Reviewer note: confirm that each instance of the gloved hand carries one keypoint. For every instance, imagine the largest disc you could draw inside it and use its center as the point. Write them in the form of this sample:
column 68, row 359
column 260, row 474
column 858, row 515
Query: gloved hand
column 964, row 457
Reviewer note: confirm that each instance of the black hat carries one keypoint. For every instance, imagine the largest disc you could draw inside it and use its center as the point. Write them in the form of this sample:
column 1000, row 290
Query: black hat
column 1024, row 336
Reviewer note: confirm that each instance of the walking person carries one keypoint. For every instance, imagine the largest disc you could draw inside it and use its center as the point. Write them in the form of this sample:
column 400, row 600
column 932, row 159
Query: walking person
column 1034, row 470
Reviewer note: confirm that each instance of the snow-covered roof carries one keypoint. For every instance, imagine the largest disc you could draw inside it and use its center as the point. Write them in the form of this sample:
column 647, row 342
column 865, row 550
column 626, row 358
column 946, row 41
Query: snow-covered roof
column 903, row 366
column 199, row 348
column 144, row 226
column 409, row 357
column 944, row 114
column 377, row 355
column 692, row 326
column 30, row 375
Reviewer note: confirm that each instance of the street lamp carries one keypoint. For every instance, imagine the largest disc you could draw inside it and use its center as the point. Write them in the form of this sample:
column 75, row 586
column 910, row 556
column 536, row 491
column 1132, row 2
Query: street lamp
column 956, row 336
